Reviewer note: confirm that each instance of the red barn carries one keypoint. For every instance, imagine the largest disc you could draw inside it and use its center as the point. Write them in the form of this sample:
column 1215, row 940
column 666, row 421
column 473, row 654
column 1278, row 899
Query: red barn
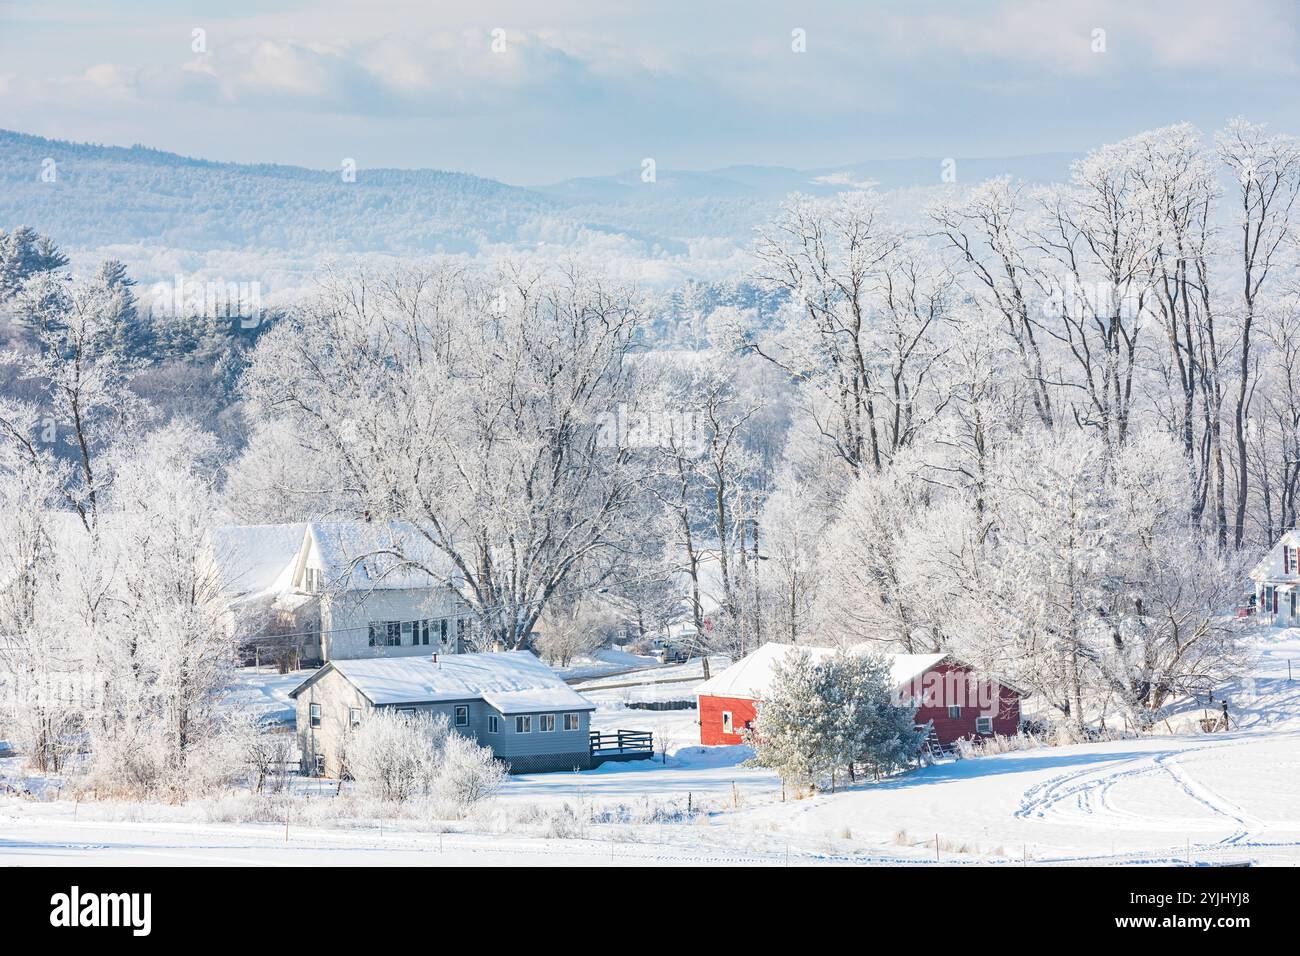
column 947, row 692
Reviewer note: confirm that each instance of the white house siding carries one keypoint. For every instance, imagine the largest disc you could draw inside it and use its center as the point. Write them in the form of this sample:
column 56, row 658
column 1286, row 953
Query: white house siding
column 533, row 752
column 346, row 620
column 1272, row 575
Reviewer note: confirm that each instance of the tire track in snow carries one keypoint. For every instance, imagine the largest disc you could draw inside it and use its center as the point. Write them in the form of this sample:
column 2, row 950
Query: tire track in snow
column 1089, row 790
column 1208, row 798
column 1043, row 798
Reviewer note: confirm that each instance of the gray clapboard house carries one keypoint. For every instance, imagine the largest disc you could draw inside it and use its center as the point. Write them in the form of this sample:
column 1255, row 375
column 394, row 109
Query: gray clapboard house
column 510, row 702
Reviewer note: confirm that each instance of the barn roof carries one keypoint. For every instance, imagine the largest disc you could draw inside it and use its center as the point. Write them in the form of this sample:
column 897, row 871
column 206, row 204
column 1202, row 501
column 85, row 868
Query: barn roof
column 514, row 682
column 751, row 675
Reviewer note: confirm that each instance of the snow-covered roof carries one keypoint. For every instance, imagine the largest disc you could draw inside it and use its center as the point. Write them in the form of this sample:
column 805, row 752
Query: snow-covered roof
column 359, row 555
column 750, row 676
column 255, row 560
column 1270, row 567
column 513, row 682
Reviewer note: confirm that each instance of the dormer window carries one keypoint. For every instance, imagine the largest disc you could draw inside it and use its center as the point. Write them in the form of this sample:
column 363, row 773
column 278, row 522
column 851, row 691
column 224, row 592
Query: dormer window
column 1290, row 558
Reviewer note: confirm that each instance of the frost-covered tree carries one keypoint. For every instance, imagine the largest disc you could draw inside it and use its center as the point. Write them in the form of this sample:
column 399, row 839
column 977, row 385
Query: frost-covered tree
column 836, row 713
column 40, row 703
column 888, row 560
column 570, row 627
column 469, row 407
column 705, row 483
column 869, row 726
column 1096, row 579
column 163, row 648
column 864, row 308
column 792, row 734
column 81, row 376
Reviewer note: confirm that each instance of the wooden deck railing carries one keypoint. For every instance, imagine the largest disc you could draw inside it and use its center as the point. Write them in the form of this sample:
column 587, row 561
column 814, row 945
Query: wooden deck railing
column 622, row 745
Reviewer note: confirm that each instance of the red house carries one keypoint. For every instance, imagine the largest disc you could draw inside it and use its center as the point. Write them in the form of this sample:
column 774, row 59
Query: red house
column 945, row 691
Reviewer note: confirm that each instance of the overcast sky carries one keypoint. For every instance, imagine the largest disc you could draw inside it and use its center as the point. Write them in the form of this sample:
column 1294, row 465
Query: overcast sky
column 595, row 87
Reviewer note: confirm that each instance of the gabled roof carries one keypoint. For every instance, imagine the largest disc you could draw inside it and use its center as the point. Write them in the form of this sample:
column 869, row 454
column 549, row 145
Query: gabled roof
column 1269, row 567
column 255, row 560
column 750, row 676
column 364, row 555
column 514, row 682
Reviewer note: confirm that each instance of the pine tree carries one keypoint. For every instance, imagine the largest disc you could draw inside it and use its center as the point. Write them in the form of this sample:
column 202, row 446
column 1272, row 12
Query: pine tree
column 794, row 728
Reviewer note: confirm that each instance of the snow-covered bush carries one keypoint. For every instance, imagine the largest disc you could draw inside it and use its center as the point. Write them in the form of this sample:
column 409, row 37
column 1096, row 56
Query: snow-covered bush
column 400, row 757
column 997, row 744
column 395, row 756
column 466, row 773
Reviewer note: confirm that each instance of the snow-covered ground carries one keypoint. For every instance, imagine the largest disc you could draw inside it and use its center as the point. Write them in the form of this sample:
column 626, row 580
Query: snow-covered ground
column 607, row 660
column 1180, row 797
column 265, row 691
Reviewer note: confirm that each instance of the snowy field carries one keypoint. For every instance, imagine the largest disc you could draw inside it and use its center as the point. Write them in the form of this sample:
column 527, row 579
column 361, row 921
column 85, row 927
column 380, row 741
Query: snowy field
column 1186, row 797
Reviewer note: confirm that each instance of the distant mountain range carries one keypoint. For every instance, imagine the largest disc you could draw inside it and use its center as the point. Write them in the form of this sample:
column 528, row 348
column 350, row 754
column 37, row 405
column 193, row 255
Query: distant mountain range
column 98, row 196
column 776, row 182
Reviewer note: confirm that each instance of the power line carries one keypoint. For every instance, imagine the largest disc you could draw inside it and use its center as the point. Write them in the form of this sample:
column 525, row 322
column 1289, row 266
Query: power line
column 481, row 612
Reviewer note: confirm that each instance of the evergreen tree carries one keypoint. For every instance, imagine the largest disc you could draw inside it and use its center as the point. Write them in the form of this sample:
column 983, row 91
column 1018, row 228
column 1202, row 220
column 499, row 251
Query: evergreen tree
column 793, row 729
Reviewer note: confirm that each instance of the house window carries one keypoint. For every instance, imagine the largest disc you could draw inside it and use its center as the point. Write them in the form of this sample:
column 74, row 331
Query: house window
column 386, row 633
column 354, row 716
column 493, row 724
column 983, row 725
column 1293, row 603
column 954, row 711
column 546, row 723
column 727, row 727
column 462, row 715
column 313, row 713
column 406, row 711
column 523, row 725
column 572, row 722
column 440, row 628
column 422, row 628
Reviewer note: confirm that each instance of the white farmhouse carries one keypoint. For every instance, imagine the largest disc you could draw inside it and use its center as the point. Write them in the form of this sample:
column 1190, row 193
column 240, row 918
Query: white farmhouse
column 1276, row 580
column 336, row 590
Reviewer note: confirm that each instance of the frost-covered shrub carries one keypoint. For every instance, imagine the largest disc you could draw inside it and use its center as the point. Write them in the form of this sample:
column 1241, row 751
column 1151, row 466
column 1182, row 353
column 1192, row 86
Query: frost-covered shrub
column 399, row 757
column 466, row 773
column 997, row 744
column 136, row 759
column 395, row 756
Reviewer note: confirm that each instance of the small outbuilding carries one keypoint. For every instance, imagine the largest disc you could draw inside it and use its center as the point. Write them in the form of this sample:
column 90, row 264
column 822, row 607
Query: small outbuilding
column 510, row 702
column 945, row 691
